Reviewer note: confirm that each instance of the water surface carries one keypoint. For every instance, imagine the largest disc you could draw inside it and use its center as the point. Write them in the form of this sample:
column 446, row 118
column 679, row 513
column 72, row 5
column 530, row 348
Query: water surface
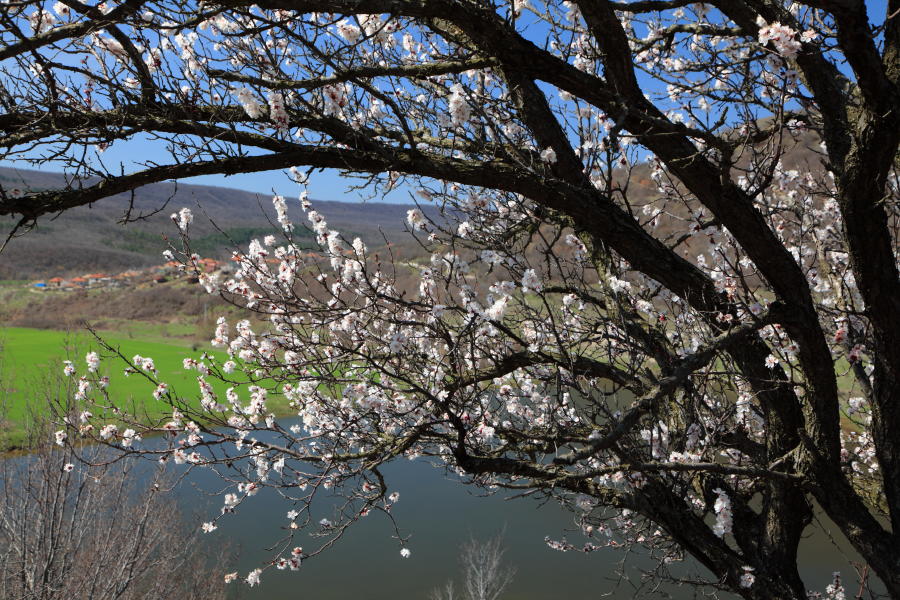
column 440, row 514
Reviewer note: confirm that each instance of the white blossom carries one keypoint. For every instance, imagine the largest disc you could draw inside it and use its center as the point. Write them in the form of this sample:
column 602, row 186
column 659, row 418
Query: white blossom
column 782, row 37
column 93, row 361
column 349, row 31
column 415, row 218
column 531, row 282
column 458, row 106
column 250, row 104
column 722, row 509
column 747, row 578
column 277, row 111
column 253, row 577
column 183, row 218
column 548, row 155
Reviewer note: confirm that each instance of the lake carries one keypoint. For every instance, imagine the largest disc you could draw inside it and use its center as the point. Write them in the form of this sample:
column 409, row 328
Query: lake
column 440, row 514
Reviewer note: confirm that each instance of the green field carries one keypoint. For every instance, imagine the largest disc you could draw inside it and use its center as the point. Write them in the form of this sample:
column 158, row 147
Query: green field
column 31, row 369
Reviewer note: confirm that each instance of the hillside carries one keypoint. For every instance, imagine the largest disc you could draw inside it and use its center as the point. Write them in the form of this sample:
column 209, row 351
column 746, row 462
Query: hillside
column 90, row 238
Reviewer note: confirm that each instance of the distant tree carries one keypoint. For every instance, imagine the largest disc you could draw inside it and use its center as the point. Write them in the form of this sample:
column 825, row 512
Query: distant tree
column 663, row 285
column 484, row 575
column 71, row 532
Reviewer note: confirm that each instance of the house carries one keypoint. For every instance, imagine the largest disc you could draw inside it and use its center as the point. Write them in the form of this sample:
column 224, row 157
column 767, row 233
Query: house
column 96, row 278
column 208, row 265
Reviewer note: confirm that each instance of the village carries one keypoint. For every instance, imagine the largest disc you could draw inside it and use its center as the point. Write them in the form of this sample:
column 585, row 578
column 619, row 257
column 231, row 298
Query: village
column 135, row 278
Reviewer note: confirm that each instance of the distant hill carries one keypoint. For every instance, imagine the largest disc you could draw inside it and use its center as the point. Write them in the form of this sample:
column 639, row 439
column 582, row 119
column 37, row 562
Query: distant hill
column 90, row 238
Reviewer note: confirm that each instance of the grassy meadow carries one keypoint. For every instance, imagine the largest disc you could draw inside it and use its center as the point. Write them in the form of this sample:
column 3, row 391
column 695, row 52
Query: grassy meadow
column 31, row 372
column 167, row 322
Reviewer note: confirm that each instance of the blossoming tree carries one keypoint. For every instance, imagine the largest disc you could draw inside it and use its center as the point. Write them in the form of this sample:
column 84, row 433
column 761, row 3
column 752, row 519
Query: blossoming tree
column 661, row 238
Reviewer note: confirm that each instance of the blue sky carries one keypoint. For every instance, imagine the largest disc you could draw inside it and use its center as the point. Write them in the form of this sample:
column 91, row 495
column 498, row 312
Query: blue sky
column 326, row 184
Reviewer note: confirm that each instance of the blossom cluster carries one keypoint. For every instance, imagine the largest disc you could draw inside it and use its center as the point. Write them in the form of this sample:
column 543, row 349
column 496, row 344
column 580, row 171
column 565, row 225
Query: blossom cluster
column 783, row 39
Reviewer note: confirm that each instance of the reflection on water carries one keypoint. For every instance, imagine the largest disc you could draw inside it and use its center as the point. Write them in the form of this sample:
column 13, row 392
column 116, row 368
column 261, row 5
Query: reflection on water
column 440, row 514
